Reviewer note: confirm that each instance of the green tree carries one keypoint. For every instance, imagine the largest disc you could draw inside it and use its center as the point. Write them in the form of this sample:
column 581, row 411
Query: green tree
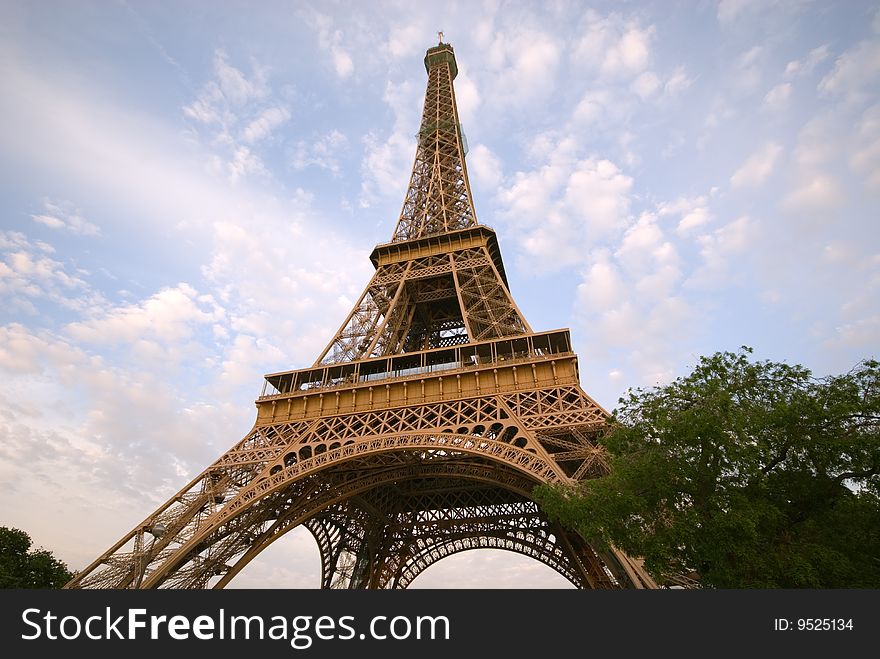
column 748, row 474
column 21, row 567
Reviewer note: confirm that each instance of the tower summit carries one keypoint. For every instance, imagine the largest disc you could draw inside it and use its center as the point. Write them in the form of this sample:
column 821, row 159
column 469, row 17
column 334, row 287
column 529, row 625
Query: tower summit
column 438, row 198
column 420, row 430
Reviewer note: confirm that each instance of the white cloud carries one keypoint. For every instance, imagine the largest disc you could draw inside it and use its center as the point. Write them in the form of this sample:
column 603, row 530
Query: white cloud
column 238, row 112
column 244, row 161
column 21, row 351
column 616, row 47
column 29, row 276
column 168, row 316
column 62, row 215
column 677, row 82
column 818, row 141
column 484, row 166
column 330, row 40
column 798, row 68
column 230, row 90
column 717, row 250
column 816, row 192
column 524, row 62
column 730, row 11
column 581, row 201
column 696, row 217
column 649, row 259
column 694, row 212
column 602, row 287
column 758, row 167
column 342, row 62
column 301, row 260
column 262, row 126
column 387, row 164
column 863, row 334
column 245, row 352
column 467, row 97
column 646, row 84
column 233, row 83
column 324, row 152
column 630, row 54
column 865, row 157
column 649, row 331
column 719, row 112
column 386, row 167
column 405, row 40
column 854, row 70
column 778, row 98
column 597, row 191
column 593, row 106
column 747, row 74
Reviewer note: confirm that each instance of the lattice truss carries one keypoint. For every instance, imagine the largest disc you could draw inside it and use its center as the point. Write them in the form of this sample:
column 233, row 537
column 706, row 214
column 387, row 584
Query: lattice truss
column 438, row 198
column 386, row 492
column 332, row 473
column 430, row 302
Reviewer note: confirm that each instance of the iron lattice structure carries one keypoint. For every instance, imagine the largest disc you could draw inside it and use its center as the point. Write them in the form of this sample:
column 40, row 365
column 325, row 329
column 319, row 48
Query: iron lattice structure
column 419, row 432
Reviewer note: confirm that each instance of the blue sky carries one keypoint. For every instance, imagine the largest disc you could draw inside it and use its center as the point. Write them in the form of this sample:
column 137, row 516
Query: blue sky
column 191, row 191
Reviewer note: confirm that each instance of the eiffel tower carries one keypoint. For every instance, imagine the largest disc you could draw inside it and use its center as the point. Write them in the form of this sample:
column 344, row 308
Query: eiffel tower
column 419, row 432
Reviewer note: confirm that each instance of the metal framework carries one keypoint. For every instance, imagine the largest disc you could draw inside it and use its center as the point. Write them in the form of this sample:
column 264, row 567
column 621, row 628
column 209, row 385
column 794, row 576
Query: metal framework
column 419, row 432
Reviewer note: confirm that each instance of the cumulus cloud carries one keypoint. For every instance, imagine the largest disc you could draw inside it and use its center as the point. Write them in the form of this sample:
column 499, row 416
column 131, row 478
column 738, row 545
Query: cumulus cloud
column 677, row 82
column 865, row 158
column 693, row 212
column 630, row 54
column 524, row 62
column 237, row 112
column 230, row 90
column 798, row 68
column 720, row 111
column 30, row 276
column 594, row 105
column 813, row 193
column 717, row 249
column 651, row 260
column 330, row 40
column 747, row 73
column 387, row 163
column 243, row 161
column 778, row 98
column 646, row 84
column 63, row 216
column 405, row 40
column 484, row 166
column 467, row 96
column 597, row 191
column 757, row 168
column 615, row 46
column 854, row 70
column 602, row 287
column 579, row 199
column 386, row 166
column 819, row 141
column 324, row 152
column 263, row 124
column 730, row 11
column 166, row 316
column 862, row 334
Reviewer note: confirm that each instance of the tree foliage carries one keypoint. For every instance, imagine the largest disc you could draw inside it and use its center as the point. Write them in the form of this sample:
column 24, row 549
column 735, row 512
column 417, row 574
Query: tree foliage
column 748, row 474
column 21, row 567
